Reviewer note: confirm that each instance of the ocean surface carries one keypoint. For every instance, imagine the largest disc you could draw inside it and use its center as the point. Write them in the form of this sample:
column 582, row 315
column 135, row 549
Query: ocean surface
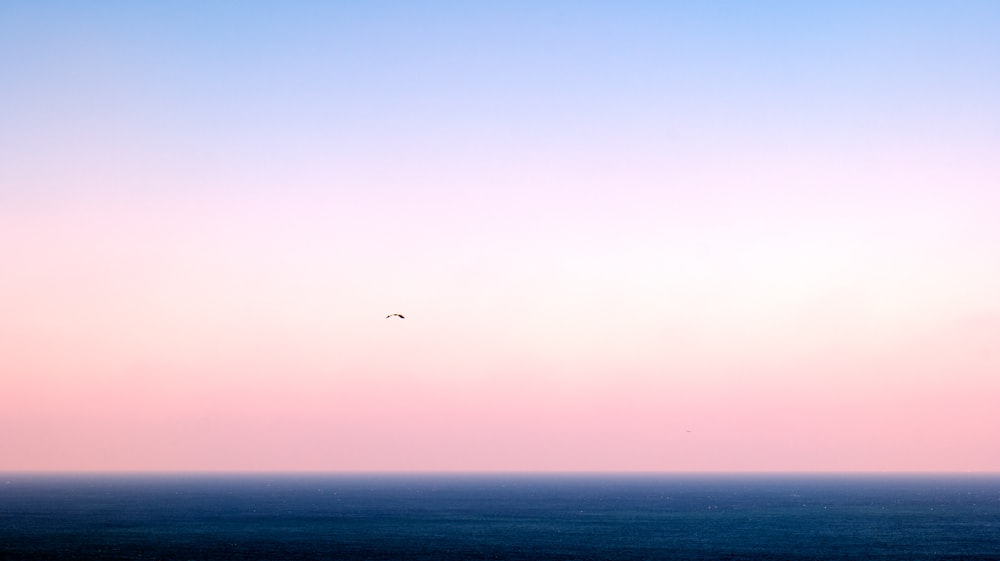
column 499, row 516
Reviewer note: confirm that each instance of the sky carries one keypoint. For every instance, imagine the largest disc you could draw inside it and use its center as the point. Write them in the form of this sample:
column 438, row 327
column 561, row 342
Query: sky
column 626, row 236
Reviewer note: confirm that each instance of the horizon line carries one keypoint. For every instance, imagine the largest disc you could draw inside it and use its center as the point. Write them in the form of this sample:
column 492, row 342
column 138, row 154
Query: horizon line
column 564, row 473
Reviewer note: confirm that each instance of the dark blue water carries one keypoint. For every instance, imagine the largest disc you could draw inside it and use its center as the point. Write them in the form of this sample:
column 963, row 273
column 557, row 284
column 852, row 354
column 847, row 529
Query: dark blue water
column 447, row 517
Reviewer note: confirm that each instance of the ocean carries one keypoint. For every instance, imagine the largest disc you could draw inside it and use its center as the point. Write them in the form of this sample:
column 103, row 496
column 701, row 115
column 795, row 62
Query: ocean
column 499, row 516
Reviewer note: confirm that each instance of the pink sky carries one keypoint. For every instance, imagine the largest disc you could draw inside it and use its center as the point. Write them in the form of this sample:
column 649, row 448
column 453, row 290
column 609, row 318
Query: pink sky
column 251, row 335
column 762, row 254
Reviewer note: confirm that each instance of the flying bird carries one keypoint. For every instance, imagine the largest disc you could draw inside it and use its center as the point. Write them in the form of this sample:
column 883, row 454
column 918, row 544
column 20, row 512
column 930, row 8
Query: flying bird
column 400, row 316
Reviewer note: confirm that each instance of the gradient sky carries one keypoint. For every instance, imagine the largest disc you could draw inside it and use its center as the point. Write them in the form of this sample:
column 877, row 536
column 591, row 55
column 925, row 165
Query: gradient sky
column 667, row 236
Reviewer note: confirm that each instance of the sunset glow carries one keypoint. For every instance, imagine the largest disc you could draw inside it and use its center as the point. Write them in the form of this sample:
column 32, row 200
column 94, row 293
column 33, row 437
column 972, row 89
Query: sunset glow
column 637, row 236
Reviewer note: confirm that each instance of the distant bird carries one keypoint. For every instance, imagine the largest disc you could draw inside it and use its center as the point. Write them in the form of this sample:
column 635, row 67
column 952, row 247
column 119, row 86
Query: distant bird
column 400, row 316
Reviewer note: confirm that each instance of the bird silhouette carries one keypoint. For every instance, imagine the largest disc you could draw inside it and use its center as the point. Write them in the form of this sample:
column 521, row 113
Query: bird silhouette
column 400, row 316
